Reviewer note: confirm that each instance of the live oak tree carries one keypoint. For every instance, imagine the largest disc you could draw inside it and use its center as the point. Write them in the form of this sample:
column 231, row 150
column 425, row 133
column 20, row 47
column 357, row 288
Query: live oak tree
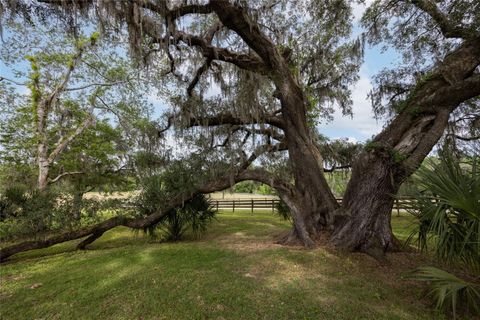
column 262, row 76
column 440, row 42
column 279, row 65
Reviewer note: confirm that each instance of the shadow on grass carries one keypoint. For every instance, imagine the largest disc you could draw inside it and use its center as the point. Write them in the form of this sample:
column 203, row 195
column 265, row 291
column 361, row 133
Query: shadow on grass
column 204, row 280
column 189, row 281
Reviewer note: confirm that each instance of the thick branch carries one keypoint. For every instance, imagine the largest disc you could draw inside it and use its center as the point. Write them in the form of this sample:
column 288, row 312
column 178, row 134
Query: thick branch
column 267, row 178
column 95, row 231
column 429, row 139
column 236, row 19
column 460, row 91
column 228, row 118
column 449, row 30
column 241, row 60
column 198, row 74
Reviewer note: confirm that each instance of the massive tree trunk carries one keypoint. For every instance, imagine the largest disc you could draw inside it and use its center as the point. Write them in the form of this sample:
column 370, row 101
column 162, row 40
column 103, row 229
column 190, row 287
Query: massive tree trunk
column 314, row 201
column 363, row 221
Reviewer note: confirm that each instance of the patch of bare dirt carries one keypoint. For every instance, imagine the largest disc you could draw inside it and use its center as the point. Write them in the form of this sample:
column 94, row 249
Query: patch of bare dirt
column 12, row 277
column 242, row 242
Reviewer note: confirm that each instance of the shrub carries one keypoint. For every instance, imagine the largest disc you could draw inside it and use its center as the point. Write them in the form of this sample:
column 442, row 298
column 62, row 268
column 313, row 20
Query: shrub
column 447, row 207
column 30, row 212
column 448, row 211
column 450, row 292
column 26, row 212
column 282, row 211
column 194, row 215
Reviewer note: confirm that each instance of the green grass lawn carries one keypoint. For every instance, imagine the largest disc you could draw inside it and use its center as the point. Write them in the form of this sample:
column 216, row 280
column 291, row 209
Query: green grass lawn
column 235, row 271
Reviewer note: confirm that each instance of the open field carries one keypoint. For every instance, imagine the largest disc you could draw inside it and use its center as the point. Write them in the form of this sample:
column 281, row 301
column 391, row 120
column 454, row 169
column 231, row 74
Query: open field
column 235, row 271
column 240, row 196
column 214, row 196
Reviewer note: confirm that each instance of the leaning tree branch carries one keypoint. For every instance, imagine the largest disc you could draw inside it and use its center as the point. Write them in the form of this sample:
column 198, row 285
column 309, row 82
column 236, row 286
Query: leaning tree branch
column 429, row 139
column 460, row 91
column 236, row 18
column 94, row 232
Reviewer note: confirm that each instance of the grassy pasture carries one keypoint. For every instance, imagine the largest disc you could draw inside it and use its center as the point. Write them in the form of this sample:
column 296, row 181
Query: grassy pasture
column 235, row 271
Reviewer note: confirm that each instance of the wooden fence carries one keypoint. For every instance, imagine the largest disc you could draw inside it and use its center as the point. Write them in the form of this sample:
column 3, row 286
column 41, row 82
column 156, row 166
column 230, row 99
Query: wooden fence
column 401, row 203
column 251, row 204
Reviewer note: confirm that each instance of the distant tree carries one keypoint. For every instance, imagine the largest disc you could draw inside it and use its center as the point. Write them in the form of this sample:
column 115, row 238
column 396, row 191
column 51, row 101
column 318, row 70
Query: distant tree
column 62, row 122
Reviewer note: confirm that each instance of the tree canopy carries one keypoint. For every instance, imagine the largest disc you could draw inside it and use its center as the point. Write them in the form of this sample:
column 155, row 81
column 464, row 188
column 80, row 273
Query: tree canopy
column 247, row 84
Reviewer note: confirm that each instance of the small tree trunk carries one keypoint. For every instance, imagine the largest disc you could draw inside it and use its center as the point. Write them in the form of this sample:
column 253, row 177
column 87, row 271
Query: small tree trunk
column 77, row 206
column 43, row 171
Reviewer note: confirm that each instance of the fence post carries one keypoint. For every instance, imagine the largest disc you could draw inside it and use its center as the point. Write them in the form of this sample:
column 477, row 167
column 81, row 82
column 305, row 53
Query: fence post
column 398, row 207
column 252, row 205
column 233, row 205
column 273, row 206
column 217, row 205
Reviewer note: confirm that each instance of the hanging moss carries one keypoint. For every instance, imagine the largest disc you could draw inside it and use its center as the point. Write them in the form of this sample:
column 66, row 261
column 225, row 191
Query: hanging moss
column 34, row 85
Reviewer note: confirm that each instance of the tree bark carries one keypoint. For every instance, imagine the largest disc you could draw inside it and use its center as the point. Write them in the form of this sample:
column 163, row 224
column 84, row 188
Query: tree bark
column 314, row 201
column 363, row 221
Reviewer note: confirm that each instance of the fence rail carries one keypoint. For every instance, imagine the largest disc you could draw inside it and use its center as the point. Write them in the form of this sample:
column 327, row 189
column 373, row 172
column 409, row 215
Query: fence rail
column 401, row 203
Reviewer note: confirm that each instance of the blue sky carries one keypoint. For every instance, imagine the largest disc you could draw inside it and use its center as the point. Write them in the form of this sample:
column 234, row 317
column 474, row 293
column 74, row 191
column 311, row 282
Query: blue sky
column 363, row 124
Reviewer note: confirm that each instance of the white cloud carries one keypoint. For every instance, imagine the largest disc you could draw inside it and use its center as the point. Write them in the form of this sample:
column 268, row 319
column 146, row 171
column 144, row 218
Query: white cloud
column 359, row 9
column 363, row 124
